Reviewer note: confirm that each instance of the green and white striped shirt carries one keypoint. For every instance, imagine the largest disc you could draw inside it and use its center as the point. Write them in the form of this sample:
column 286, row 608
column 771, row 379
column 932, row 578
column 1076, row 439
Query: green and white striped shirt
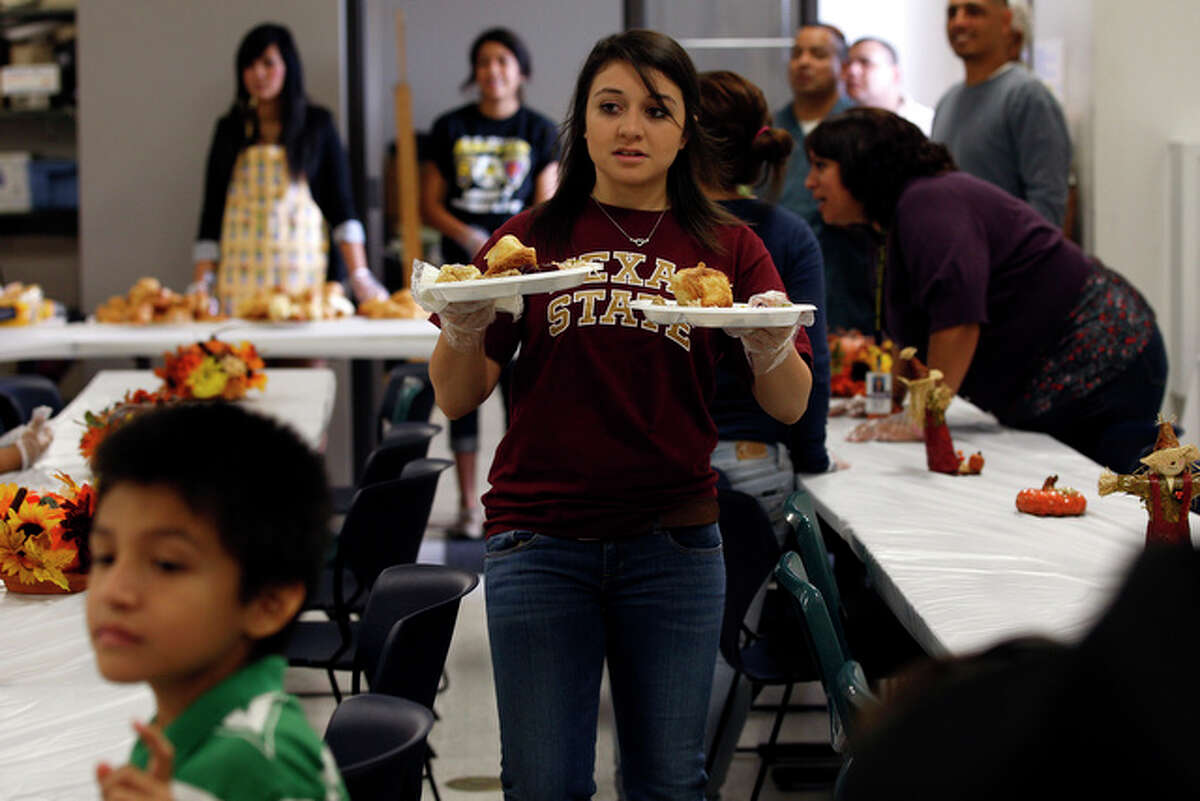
column 248, row 740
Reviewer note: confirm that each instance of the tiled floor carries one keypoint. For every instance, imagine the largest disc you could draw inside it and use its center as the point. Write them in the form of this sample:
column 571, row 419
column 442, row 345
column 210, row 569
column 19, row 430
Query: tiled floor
column 466, row 738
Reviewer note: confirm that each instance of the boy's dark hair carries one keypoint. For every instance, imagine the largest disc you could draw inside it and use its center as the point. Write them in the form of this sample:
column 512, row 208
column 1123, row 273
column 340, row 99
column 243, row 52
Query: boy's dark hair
column 261, row 486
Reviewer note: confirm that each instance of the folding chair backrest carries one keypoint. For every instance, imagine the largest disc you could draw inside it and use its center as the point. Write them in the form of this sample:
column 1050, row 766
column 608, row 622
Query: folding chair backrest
column 379, row 744
column 386, row 521
column 750, row 550
column 841, row 677
column 810, row 546
column 407, row 396
column 24, row 393
column 404, row 656
column 404, row 443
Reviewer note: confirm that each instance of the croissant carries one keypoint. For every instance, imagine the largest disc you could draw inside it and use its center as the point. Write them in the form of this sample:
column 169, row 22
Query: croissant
column 701, row 286
column 509, row 257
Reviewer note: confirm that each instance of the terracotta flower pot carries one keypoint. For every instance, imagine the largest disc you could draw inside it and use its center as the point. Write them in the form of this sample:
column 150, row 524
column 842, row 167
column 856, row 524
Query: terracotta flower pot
column 76, row 582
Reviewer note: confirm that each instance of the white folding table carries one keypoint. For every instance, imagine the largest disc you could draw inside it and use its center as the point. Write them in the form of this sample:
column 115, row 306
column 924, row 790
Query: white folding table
column 952, row 557
column 58, row 717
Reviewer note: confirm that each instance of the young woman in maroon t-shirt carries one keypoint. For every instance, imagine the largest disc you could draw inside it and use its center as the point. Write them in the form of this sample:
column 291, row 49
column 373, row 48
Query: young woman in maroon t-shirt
column 602, row 538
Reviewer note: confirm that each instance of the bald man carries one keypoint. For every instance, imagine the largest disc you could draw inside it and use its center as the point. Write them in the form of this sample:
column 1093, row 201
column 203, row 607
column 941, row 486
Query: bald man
column 872, row 76
column 1001, row 123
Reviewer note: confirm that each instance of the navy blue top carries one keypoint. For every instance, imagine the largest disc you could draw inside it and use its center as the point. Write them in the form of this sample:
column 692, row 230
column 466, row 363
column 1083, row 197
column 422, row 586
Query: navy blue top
column 793, row 248
column 490, row 166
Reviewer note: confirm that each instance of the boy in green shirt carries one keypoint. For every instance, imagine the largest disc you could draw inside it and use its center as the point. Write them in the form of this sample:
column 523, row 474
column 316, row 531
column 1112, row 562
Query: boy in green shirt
column 209, row 530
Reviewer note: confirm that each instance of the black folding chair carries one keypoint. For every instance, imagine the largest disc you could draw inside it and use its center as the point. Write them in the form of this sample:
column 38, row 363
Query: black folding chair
column 384, row 526
column 407, row 396
column 764, row 659
column 402, row 641
column 378, row 742
column 21, row 394
column 405, row 442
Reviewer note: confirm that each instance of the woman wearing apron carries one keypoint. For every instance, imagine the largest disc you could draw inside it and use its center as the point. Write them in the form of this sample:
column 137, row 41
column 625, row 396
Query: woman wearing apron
column 276, row 181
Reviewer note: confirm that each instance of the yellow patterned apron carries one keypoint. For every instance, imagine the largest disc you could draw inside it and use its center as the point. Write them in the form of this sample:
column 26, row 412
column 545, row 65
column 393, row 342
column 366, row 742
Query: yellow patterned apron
column 273, row 233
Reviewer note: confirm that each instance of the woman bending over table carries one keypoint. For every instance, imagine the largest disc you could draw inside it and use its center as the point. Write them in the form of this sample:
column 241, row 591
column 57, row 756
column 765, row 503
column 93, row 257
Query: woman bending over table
column 601, row 521
column 1017, row 317
column 277, row 177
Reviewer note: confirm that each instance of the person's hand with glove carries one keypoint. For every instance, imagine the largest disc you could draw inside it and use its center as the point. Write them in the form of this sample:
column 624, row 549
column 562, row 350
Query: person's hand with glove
column 464, row 322
column 782, row 381
column 366, row 286
column 766, row 348
column 26, row 444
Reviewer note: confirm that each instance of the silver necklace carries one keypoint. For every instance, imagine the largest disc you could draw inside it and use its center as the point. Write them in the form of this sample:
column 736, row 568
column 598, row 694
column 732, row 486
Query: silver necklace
column 638, row 241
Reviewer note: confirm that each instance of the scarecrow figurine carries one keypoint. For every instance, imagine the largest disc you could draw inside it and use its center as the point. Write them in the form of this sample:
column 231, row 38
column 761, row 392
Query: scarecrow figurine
column 928, row 399
column 1166, row 486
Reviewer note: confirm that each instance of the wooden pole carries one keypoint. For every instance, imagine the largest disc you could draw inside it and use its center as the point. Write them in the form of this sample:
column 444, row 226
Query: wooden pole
column 408, row 186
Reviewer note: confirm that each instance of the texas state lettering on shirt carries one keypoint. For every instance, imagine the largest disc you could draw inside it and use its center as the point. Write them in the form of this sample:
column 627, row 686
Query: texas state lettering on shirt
column 490, row 170
column 591, row 305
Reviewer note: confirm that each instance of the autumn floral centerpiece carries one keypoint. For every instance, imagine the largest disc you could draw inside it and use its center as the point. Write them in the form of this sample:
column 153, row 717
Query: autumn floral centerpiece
column 852, row 355
column 211, row 370
column 99, row 425
column 44, row 537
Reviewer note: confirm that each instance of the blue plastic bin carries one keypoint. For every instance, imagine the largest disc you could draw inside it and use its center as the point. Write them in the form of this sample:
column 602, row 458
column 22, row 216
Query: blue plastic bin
column 54, row 183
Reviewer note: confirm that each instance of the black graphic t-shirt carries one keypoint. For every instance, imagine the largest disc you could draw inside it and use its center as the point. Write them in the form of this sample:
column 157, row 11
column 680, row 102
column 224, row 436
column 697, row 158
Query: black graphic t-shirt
column 490, row 166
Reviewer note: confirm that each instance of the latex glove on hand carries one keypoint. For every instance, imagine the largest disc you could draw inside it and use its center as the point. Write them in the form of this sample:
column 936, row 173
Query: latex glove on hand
column 200, row 293
column 897, row 427
column 473, row 240
column 766, row 348
column 464, row 322
column 34, row 437
column 366, row 286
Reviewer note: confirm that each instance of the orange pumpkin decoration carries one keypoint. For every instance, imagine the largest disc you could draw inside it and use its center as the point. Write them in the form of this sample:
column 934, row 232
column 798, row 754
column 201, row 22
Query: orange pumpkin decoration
column 1051, row 501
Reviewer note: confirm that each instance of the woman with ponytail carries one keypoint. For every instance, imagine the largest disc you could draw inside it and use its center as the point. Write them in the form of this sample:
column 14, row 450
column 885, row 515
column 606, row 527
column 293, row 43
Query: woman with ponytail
column 756, row 453
column 748, row 152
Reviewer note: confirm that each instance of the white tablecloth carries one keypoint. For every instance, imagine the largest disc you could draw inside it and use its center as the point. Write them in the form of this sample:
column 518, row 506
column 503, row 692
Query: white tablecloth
column 356, row 337
column 58, row 717
column 953, row 558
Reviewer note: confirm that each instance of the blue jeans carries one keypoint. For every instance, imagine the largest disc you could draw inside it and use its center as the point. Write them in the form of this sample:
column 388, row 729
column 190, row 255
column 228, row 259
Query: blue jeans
column 557, row 609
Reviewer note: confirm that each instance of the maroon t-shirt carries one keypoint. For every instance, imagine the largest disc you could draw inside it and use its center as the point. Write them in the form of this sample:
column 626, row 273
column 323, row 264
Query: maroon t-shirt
column 963, row 251
column 609, row 426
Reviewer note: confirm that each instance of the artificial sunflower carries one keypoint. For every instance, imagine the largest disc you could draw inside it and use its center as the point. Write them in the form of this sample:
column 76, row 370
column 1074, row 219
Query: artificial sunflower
column 7, row 493
column 33, row 516
column 30, row 558
column 79, row 507
column 208, row 380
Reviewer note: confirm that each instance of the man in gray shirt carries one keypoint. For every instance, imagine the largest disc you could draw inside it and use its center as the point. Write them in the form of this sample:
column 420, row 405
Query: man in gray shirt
column 1002, row 124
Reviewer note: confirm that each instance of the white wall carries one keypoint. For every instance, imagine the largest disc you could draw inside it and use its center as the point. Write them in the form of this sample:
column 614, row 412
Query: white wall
column 1068, row 27
column 153, row 79
column 1145, row 61
column 559, row 37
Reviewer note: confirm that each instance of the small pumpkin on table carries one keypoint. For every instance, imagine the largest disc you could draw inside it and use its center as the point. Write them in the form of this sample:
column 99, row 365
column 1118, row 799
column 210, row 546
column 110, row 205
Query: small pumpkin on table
column 1051, row 500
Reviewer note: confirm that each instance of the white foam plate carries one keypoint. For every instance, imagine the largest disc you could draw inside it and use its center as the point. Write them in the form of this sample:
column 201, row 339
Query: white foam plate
column 737, row 316
column 510, row 285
